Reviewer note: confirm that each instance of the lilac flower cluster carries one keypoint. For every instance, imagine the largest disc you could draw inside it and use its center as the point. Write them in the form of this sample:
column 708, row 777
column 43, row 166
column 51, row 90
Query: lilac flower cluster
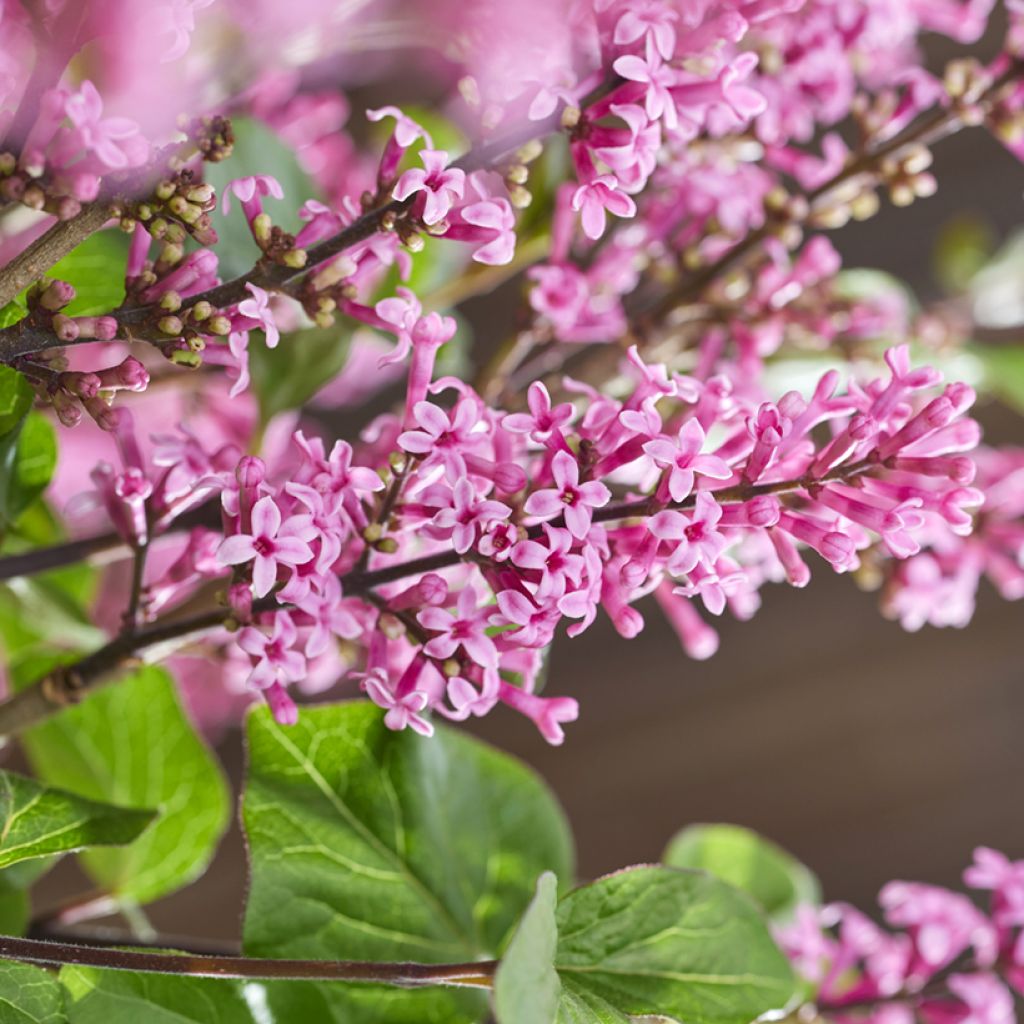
column 946, row 961
column 440, row 555
column 459, row 538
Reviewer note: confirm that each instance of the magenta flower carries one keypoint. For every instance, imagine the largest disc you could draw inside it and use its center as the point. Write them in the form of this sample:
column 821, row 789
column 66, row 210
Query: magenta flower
column 650, row 20
column 557, row 566
column 683, row 460
column 402, row 712
column 547, row 713
column 444, row 438
column 466, row 629
column 699, row 541
column 407, row 131
column 176, row 19
column 257, row 313
column 658, row 77
column 569, row 497
column 330, row 617
column 276, row 659
column 273, row 543
column 467, row 516
column 491, row 225
column 600, row 195
column 439, row 184
column 535, row 622
column 543, row 419
column 104, row 137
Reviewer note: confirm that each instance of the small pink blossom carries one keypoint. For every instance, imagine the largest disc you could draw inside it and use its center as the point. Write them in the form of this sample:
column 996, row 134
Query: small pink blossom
column 682, row 458
column 274, row 542
column 465, row 629
column 569, row 497
column 258, row 311
column 276, row 659
column 439, row 185
column 594, row 198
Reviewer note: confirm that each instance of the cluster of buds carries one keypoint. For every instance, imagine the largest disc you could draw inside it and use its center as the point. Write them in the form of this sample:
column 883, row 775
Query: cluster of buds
column 179, row 206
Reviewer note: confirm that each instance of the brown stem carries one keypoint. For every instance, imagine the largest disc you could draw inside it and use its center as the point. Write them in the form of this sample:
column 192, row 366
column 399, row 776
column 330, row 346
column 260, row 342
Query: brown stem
column 43, row 253
column 927, row 130
column 69, row 684
column 403, row 975
column 24, row 338
column 29, row 563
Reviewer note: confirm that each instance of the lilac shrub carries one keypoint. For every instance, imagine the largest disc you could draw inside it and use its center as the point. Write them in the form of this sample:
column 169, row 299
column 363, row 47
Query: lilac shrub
column 222, row 224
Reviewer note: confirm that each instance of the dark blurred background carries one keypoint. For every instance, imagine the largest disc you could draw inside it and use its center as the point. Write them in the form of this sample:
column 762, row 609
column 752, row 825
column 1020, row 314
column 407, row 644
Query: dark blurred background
column 869, row 752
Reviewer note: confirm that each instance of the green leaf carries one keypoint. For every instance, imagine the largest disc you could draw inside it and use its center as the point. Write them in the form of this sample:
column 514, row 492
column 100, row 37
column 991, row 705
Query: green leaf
column 124, row 997
column 656, row 941
column 777, row 881
column 38, row 821
column 288, row 376
column 131, row 743
column 526, row 984
column 95, row 269
column 15, row 399
column 29, row 995
column 14, row 908
column 28, row 458
column 257, row 150
column 578, row 1005
column 1003, row 371
column 965, row 244
column 388, row 846
column 15, row 310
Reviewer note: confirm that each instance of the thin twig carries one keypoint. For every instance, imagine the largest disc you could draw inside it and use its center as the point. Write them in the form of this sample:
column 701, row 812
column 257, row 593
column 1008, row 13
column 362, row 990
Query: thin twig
column 402, row 975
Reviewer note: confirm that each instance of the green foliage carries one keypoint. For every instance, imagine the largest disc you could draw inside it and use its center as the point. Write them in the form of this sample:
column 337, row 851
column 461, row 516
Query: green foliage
column 95, row 269
column 15, row 310
column 124, row 997
column 28, row 457
column 132, row 744
column 29, row 995
column 288, row 376
column 669, row 943
column 776, row 881
column 15, row 399
column 257, row 150
column 36, row 821
column 526, row 985
column 387, row 846
column 1003, row 372
column 964, row 246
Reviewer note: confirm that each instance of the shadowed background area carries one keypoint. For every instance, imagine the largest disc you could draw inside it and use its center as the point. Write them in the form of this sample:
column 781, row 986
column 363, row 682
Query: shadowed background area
column 870, row 753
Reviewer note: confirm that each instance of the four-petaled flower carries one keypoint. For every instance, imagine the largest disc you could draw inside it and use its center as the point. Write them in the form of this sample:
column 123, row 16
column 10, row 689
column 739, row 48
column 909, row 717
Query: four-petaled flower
column 683, row 460
column 569, row 497
column 271, row 544
column 257, row 309
column 277, row 661
column 466, row 628
column 439, row 184
column 594, row 198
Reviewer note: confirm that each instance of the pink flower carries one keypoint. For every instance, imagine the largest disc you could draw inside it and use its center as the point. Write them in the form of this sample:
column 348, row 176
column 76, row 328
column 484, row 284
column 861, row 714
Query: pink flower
column 407, row 131
column 576, row 501
column 547, row 713
column 257, row 309
column 987, row 999
column 402, row 712
column 554, row 561
column 176, row 19
column 658, row 77
column 271, row 544
column 683, row 460
column 276, row 659
column 543, row 419
column 439, row 184
column 649, row 20
column 491, row 225
column 466, row 629
column 600, row 195
column 467, row 516
column 330, row 617
column 105, row 138
column 444, row 438
column 699, row 541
